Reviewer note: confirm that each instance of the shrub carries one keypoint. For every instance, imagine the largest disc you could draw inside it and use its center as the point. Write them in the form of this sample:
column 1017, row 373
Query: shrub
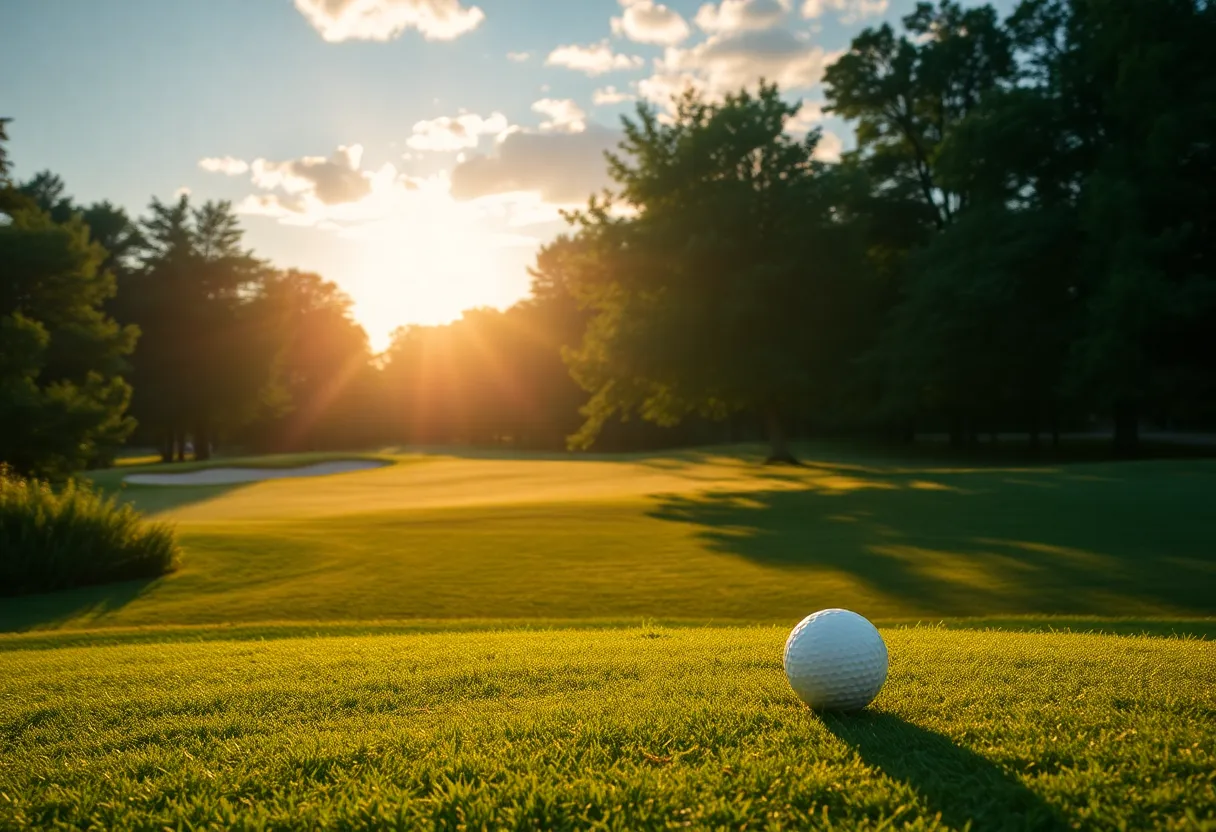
column 72, row 535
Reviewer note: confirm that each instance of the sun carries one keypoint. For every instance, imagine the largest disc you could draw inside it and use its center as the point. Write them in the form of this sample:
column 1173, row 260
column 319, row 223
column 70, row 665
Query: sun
column 425, row 273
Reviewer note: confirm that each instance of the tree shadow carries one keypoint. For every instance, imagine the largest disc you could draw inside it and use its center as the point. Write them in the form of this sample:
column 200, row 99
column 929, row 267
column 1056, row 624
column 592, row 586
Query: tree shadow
column 963, row 786
column 27, row 612
column 1110, row 541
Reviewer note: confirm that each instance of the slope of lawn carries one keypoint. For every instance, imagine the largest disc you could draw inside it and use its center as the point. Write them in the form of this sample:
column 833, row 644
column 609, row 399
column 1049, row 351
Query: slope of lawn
column 633, row 728
column 678, row 537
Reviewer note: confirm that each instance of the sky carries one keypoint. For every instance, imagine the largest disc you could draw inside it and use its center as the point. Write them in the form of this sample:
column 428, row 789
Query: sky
column 415, row 152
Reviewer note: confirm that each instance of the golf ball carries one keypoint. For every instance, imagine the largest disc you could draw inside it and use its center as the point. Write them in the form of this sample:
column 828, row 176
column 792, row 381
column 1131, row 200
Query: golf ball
column 835, row 660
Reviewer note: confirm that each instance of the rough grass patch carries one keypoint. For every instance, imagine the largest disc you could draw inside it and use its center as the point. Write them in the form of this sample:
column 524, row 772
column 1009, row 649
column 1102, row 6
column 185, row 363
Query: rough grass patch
column 58, row 537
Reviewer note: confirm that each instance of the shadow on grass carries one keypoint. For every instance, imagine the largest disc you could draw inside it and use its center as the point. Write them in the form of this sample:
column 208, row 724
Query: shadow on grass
column 1113, row 540
column 963, row 786
column 26, row 612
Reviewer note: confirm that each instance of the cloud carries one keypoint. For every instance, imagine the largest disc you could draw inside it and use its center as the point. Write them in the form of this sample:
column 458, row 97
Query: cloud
column 809, row 115
column 829, row 147
column 645, row 21
column 611, row 95
column 593, row 59
column 727, row 62
column 225, row 165
column 459, row 133
column 742, row 15
column 562, row 168
column 331, row 181
column 849, row 11
column 807, row 118
column 564, row 115
column 339, row 20
column 519, row 57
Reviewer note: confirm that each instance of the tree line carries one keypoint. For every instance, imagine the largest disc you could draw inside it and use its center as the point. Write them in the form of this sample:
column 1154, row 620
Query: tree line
column 1022, row 239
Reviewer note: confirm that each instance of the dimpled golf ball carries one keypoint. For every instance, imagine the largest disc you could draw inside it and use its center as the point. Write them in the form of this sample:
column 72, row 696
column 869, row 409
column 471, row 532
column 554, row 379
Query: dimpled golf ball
column 835, row 660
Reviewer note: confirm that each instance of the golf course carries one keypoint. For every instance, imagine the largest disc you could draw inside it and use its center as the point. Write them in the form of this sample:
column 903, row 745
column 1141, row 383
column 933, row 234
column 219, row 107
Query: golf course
column 492, row 640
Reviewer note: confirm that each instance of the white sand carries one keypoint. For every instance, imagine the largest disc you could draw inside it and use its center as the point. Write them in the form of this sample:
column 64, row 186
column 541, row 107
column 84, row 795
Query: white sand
column 228, row 476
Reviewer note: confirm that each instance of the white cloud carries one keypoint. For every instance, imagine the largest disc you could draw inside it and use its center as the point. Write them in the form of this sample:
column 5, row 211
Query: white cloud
column 184, row 190
column 519, row 57
column 312, row 184
column 339, row 20
column 742, row 15
column 726, row 62
column 829, row 147
column 849, row 11
column 225, row 165
column 564, row 115
column 809, row 115
column 560, row 168
column 459, row 133
column 593, row 59
column 611, row 95
column 645, row 21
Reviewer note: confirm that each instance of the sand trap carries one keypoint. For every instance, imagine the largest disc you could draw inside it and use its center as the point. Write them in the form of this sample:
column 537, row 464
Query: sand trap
column 228, row 476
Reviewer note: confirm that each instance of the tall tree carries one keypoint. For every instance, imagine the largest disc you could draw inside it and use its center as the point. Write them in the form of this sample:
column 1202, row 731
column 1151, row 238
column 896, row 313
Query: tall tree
column 322, row 394
column 191, row 298
column 62, row 399
column 908, row 92
column 724, row 284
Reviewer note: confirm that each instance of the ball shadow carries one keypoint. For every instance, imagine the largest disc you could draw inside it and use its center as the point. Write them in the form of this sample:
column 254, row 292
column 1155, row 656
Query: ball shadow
column 964, row 787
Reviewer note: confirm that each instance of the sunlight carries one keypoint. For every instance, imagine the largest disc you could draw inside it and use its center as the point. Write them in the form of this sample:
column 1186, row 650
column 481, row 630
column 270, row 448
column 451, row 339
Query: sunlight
column 424, row 273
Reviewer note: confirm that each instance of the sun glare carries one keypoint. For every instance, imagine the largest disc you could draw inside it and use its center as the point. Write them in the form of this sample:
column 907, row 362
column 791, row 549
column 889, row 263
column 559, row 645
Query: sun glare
column 425, row 274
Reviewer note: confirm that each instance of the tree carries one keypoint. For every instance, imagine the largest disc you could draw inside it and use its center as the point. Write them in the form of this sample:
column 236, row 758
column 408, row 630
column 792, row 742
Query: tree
column 49, row 193
column 717, row 282
column 324, row 386
column 62, row 398
column 907, row 93
column 197, row 369
column 4, row 152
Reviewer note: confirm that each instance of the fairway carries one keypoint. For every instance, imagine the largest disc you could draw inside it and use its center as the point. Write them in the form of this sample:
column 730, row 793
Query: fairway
column 487, row 641
column 695, row 536
column 616, row 729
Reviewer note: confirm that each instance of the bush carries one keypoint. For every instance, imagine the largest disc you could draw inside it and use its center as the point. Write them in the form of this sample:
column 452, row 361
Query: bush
column 54, row 538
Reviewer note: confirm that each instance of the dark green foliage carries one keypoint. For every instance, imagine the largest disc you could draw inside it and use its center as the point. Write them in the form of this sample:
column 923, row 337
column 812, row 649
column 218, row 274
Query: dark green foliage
column 72, row 535
column 1068, row 159
column 205, row 357
column 727, row 287
column 62, row 399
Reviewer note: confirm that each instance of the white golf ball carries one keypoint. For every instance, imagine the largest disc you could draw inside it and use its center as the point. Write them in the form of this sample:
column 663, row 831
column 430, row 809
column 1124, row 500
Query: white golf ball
column 835, row 660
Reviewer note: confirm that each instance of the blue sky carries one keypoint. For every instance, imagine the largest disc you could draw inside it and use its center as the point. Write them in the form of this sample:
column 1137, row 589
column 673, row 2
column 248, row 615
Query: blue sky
column 391, row 145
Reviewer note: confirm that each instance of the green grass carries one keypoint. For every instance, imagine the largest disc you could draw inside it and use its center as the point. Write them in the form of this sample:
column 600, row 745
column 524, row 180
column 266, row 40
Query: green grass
column 71, row 535
column 681, row 537
column 453, row 641
column 633, row 728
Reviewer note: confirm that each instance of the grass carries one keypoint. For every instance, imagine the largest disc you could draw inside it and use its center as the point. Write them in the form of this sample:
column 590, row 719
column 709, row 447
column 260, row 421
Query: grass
column 682, row 537
column 453, row 641
column 634, row 728
column 70, row 535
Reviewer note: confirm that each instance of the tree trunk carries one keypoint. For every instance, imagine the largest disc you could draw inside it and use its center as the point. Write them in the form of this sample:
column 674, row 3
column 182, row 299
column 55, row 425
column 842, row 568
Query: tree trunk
column 1127, row 427
column 166, row 447
column 779, row 451
column 957, row 428
column 179, row 441
column 202, row 442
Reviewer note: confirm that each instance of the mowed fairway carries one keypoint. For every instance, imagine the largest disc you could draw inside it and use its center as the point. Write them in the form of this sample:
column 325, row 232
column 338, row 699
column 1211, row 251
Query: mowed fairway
column 684, row 537
column 457, row 642
column 630, row 728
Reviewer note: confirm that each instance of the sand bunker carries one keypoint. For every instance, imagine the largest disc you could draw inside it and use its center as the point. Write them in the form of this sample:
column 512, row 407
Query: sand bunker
column 228, row 476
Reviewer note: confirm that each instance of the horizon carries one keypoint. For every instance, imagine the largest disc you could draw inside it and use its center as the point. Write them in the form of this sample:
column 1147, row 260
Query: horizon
column 419, row 201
